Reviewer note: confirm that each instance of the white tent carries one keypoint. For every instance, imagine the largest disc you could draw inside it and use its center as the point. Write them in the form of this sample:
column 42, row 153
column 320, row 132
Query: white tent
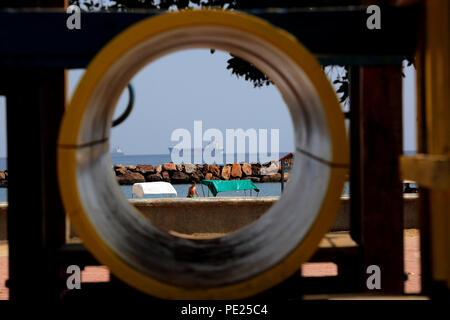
column 151, row 188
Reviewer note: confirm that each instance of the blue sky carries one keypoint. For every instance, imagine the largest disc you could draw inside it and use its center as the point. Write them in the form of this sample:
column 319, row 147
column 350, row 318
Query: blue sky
column 192, row 85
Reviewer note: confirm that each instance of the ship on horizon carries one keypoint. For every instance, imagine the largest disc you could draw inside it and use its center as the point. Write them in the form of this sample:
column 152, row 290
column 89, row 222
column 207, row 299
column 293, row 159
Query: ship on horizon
column 117, row 151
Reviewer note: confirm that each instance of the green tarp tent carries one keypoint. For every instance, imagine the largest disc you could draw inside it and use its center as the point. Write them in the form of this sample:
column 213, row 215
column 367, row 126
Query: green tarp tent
column 217, row 186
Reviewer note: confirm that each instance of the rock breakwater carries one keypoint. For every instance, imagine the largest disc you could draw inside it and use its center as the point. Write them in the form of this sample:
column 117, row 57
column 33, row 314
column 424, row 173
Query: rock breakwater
column 188, row 173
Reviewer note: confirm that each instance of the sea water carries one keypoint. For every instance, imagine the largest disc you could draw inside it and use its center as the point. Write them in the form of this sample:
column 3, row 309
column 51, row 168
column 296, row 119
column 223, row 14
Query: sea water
column 266, row 189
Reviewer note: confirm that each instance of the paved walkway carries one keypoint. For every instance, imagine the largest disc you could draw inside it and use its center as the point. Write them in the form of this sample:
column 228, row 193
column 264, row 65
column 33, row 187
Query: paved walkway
column 101, row 273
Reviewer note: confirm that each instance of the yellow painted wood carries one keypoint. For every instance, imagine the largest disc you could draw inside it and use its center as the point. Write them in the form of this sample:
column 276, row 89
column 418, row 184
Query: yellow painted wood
column 437, row 100
column 429, row 171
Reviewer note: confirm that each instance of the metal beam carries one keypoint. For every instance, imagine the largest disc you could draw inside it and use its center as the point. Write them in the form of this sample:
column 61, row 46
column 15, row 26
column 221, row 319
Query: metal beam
column 40, row 38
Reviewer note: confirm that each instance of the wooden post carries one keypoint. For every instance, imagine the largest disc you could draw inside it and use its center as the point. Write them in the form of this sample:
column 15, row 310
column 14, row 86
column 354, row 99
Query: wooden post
column 380, row 184
column 431, row 170
column 437, row 100
column 423, row 205
column 355, row 151
column 35, row 100
column 36, row 221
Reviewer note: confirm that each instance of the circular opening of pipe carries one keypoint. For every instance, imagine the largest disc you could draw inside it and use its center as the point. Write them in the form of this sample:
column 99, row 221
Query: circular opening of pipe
column 193, row 112
column 239, row 264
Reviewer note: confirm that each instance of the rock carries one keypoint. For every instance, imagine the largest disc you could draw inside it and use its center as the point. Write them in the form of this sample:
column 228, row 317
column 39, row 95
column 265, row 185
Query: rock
column 145, row 169
column 165, row 176
column 120, row 171
column 246, row 169
column 180, row 177
column 272, row 178
column 130, row 178
column 197, row 176
column 270, row 170
column 179, row 167
column 153, row 177
column 190, row 168
column 256, row 169
column 3, row 183
column 214, row 169
column 131, row 168
column 236, row 171
column 226, row 171
column 158, row 168
column 287, row 175
column 208, row 176
column 205, row 169
column 170, row 166
column 2, row 176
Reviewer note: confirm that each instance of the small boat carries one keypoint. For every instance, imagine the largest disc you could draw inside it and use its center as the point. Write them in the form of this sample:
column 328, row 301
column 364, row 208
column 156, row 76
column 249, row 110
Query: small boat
column 117, row 151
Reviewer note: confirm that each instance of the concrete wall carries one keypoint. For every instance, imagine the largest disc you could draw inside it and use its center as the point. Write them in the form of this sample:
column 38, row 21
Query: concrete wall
column 410, row 213
column 223, row 215
column 203, row 215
